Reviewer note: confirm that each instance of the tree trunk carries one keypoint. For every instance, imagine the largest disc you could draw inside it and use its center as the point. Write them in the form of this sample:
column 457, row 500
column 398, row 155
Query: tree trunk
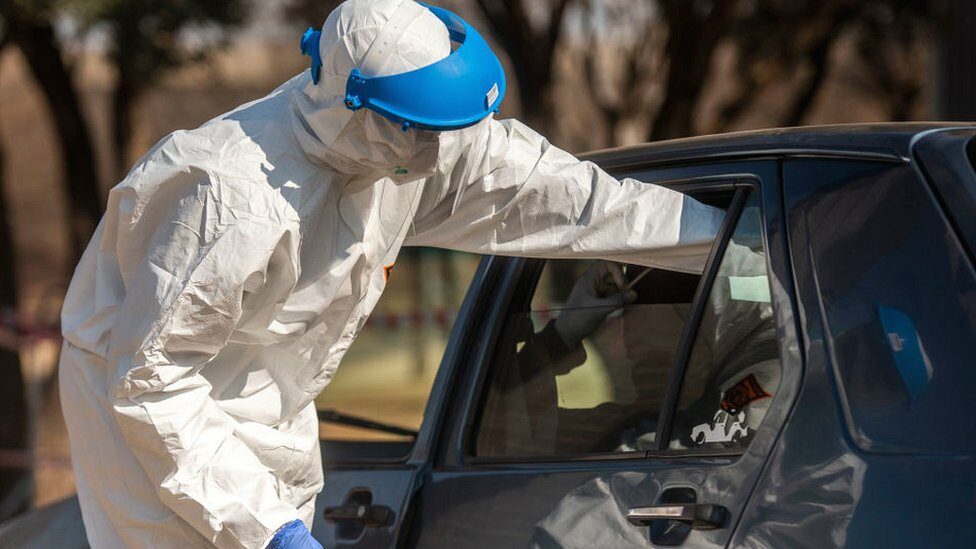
column 819, row 56
column 535, row 96
column 125, row 101
column 15, row 483
column 748, row 91
column 532, row 52
column 957, row 58
column 37, row 41
column 692, row 39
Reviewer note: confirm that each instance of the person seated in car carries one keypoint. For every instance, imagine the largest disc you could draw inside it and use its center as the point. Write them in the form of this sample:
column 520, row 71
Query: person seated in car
column 732, row 374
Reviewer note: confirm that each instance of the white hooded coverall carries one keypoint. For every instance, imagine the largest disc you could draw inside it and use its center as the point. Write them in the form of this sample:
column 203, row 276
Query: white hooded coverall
column 237, row 262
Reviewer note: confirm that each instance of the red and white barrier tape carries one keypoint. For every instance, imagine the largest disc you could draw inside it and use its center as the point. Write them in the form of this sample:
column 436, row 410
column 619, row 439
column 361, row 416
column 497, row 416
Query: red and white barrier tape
column 15, row 334
column 23, row 459
column 439, row 318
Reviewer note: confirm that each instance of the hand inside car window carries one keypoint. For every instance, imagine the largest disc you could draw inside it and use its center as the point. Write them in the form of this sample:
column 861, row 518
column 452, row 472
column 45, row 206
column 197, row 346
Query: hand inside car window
column 590, row 374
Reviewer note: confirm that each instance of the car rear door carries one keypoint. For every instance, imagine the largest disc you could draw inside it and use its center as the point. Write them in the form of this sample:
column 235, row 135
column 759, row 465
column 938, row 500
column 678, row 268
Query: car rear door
column 526, row 459
column 888, row 288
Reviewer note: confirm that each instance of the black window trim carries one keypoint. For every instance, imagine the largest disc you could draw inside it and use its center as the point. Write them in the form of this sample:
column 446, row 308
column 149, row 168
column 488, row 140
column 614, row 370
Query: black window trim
column 742, row 184
column 700, row 301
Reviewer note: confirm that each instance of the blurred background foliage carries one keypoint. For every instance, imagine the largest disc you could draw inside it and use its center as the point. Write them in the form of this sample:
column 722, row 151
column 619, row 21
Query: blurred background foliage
column 86, row 86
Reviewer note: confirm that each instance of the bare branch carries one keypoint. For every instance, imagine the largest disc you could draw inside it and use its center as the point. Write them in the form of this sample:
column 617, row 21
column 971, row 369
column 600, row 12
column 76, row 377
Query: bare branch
column 35, row 37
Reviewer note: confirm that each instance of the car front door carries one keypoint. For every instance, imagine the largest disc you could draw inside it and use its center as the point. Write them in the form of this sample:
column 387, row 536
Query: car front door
column 654, row 428
column 372, row 467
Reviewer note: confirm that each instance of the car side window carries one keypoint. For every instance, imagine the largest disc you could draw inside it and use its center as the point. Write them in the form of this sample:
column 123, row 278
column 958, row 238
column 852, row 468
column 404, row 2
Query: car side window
column 734, row 368
column 575, row 376
column 897, row 293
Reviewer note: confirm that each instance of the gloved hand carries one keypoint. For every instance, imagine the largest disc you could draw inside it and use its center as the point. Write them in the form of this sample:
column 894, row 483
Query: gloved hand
column 596, row 294
column 294, row 535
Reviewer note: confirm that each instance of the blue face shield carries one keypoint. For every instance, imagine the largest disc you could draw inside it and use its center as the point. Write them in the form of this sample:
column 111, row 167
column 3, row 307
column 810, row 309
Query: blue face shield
column 455, row 92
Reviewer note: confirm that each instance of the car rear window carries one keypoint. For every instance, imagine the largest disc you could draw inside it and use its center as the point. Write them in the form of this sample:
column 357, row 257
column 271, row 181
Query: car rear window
column 897, row 294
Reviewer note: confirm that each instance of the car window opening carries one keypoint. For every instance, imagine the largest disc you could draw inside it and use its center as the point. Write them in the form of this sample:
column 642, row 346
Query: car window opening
column 547, row 398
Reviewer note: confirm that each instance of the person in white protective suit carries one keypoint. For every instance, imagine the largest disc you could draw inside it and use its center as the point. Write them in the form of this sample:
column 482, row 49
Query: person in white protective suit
column 238, row 261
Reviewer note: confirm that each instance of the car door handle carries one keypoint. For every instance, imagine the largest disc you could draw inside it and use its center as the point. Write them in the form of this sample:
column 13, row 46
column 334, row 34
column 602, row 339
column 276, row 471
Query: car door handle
column 373, row 516
column 700, row 516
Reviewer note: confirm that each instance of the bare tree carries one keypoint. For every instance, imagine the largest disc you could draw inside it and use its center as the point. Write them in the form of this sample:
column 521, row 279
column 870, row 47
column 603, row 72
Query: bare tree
column 791, row 41
column 149, row 39
column 890, row 38
column 29, row 24
column 694, row 31
column 529, row 34
column 620, row 61
column 15, row 484
column 788, row 41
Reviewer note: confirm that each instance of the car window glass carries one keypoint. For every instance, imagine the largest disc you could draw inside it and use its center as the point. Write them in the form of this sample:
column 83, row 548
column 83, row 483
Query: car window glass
column 734, row 369
column 549, row 396
column 899, row 297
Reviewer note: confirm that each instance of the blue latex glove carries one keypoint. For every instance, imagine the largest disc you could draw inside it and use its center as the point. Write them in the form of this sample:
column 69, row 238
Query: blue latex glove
column 294, row 535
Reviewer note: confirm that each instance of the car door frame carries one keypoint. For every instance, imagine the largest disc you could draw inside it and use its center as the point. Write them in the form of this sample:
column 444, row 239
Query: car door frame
column 451, row 456
column 397, row 479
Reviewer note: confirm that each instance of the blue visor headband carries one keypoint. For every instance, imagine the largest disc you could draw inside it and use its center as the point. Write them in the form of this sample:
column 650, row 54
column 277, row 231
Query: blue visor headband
column 455, row 92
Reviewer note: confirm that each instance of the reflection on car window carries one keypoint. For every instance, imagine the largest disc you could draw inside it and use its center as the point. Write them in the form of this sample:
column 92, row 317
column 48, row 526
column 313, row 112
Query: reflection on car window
column 550, row 394
column 576, row 375
column 734, row 369
column 550, row 397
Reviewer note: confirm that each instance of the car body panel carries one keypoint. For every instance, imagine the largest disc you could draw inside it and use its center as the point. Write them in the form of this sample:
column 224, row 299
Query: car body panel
column 946, row 159
column 884, row 141
column 826, row 483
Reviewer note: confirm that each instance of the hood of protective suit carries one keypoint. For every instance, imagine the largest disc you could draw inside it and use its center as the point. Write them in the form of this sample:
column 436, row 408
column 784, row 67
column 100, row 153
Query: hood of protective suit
column 380, row 38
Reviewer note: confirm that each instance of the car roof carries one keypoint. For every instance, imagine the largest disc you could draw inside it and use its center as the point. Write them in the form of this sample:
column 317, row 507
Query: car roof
column 890, row 141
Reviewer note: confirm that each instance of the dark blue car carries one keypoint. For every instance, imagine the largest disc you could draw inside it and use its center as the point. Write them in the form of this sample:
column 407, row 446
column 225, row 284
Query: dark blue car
column 811, row 387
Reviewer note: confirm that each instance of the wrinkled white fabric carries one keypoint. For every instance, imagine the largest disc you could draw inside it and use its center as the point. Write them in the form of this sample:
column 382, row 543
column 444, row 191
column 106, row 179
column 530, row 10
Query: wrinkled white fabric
column 237, row 262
